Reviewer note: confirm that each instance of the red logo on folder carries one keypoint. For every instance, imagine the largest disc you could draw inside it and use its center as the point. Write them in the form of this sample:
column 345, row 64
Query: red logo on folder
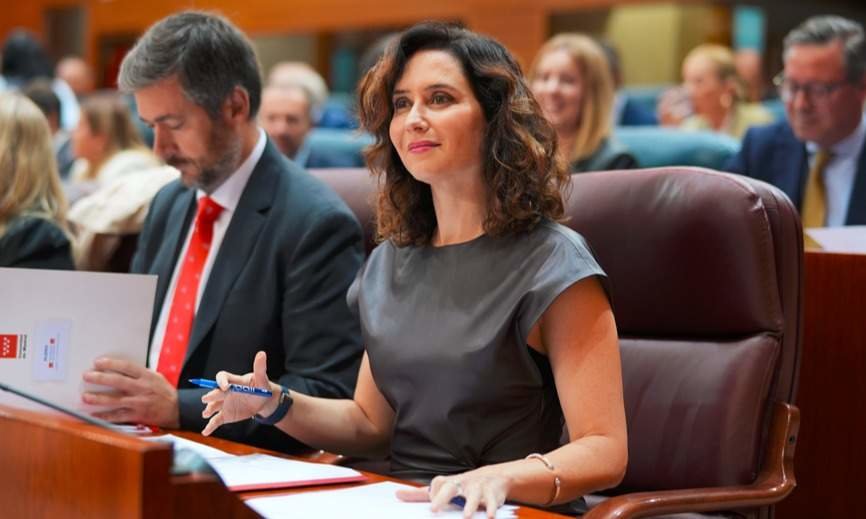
column 8, row 346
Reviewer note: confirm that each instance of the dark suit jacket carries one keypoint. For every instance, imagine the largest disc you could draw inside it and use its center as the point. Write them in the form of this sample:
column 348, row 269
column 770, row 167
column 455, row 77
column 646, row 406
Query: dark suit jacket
column 774, row 154
column 278, row 284
column 32, row 242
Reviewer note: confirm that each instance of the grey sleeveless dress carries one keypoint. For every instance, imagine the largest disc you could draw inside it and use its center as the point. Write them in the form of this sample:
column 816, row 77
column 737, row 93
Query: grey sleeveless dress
column 445, row 330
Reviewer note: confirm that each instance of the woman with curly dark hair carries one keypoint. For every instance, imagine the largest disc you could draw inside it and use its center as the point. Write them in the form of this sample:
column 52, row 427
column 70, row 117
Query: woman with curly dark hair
column 486, row 323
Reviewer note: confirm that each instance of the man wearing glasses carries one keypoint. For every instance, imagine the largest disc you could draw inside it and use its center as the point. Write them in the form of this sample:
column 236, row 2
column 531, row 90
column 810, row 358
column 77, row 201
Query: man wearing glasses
column 817, row 156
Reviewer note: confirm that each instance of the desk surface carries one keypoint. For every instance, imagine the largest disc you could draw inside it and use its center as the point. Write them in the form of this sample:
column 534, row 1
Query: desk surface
column 523, row 512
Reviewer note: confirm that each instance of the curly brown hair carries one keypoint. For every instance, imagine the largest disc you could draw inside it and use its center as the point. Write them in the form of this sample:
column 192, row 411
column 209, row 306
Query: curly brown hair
column 525, row 178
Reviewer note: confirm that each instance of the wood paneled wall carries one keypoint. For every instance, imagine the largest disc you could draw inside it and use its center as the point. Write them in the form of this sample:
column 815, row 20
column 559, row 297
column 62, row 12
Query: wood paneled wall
column 522, row 25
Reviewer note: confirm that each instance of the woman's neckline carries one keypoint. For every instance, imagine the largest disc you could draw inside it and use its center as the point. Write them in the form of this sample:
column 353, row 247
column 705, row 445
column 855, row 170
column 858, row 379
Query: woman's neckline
column 458, row 244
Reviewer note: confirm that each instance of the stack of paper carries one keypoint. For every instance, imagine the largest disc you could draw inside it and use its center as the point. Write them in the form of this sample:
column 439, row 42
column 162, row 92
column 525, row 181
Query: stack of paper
column 377, row 501
column 260, row 471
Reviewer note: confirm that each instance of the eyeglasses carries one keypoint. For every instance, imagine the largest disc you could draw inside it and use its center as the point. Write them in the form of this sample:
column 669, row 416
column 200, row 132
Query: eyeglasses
column 816, row 91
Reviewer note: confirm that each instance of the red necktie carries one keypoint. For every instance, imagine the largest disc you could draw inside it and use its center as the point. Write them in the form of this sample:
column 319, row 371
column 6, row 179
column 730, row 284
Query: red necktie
column 180, row 316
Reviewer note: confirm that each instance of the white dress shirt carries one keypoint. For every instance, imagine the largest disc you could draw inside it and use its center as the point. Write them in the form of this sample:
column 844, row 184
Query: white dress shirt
column 840, row 173
column 227, row 195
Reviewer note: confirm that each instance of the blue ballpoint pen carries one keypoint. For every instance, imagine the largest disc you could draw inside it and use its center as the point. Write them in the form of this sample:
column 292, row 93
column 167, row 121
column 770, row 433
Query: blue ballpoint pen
column 237, row 388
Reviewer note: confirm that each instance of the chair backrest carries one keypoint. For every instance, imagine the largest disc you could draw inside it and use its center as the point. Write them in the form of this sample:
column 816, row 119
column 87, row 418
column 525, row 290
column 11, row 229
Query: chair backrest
column 357, row 187
column 339, row 141
column 706, row 276
column 656, row 146
column 647, row 96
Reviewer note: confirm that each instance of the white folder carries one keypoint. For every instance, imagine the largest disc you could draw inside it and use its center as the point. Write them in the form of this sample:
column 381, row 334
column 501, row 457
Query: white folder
column 54, row 323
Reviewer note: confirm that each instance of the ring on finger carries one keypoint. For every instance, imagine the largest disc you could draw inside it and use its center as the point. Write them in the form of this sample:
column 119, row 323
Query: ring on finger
column 459, row 488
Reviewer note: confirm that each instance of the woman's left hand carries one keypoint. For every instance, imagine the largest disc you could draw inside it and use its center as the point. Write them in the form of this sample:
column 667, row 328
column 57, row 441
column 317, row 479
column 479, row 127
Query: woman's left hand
column 481, row 488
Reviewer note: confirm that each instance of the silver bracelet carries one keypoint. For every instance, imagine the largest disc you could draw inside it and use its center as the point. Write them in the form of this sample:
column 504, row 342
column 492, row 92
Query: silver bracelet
column 557, row 483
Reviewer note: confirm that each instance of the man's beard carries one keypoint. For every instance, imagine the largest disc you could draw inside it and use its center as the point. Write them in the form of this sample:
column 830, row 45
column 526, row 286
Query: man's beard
column 223, row 159
column 214, row 174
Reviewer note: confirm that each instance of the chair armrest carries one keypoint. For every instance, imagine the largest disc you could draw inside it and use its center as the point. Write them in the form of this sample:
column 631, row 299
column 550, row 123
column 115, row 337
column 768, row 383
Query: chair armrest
column 775, row 481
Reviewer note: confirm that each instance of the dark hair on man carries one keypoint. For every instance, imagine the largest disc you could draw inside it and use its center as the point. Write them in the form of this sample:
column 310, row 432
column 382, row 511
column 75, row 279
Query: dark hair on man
column 524, row 178
column 209, row 56
column 823, row 30
column 40, row 92
column 24, row 59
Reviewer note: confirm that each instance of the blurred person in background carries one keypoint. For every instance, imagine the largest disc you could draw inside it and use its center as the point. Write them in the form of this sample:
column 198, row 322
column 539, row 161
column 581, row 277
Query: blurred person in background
column 571, row 80
column 298, row 73
column 286, row 115
column 40, row 92
column 817, row 156
column 113, row 181
column 750, row 68
column 674, row 106
column 25, row 59
column 716, row 93
column 33, row 231
column 77, row 74
column 106, row 142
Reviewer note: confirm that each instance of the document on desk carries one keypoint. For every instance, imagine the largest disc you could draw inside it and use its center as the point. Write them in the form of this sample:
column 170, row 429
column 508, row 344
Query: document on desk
column 261, row 471
column 376, row 501
column 205, row 451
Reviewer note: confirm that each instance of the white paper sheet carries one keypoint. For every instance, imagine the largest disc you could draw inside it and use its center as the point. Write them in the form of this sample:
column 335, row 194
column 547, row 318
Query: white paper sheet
column 263, row 471
column 850, row 238
column 376, row 501
column 260, row 471
column 205, row 451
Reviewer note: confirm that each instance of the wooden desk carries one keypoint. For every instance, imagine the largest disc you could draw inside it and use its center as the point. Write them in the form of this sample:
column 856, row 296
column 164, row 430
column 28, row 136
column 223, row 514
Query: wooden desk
column 55, row 466
column 523, row 512
column 830, row 457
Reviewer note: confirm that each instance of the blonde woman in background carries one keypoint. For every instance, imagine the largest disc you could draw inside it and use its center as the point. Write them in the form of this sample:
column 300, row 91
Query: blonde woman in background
column 106, row 141
column 716, row 92
column 33, row 231
column 571, row 80
column 117, row 177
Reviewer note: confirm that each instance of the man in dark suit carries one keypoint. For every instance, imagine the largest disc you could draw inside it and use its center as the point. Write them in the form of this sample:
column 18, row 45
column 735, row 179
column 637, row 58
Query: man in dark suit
column 252, row 253
column 824, row 88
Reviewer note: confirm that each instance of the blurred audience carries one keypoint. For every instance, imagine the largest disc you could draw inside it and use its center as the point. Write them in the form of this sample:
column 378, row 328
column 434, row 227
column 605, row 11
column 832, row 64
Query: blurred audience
column 25, row 59
column 106, row 142
column 33, row 231
column 286, row 115
column 40, row 92
column 749, row 64
column 817, row 155
column 674, row 106
column 297, row 73
column 113, row 181
column 716, row 93
column 626, row 112
column 571, row 80
column 77, row 74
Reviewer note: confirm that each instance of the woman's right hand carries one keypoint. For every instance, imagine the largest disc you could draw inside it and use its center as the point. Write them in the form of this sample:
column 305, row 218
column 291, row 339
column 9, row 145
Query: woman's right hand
column 224, row 406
